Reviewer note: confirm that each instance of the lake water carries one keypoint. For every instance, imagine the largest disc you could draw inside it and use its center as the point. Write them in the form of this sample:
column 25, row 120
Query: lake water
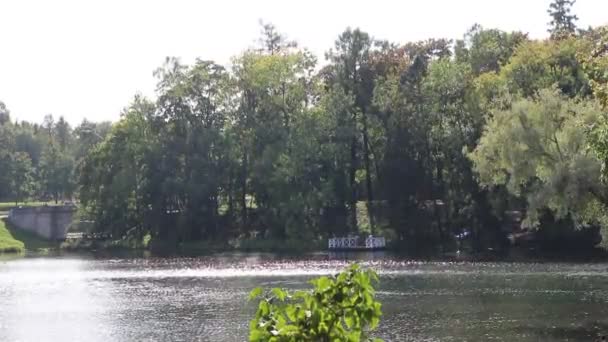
column 89, row 299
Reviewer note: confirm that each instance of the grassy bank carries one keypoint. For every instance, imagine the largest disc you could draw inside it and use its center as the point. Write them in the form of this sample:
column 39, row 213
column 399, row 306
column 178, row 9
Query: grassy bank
column 8, row 242
column 6, row 206
column 13, row 240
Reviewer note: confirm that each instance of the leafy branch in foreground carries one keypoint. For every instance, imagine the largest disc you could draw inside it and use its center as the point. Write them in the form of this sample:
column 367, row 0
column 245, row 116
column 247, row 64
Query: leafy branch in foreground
column 339, row 308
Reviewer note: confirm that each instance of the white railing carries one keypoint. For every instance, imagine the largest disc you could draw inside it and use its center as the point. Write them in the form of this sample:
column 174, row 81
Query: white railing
column 375, row 242
column 344, row 242
column 352, row 242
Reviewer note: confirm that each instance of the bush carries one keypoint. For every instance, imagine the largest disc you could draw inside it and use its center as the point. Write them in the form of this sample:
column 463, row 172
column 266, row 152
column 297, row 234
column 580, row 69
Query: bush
column 339, row 308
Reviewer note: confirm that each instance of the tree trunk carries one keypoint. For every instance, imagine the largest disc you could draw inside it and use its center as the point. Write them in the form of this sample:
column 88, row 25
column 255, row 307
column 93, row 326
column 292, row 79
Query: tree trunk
column 353, row 185
column 244, row 190
column 230, row 197
column 368, row 176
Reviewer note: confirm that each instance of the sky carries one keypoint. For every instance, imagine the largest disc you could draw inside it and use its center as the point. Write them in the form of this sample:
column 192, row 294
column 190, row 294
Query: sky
column 87, row 59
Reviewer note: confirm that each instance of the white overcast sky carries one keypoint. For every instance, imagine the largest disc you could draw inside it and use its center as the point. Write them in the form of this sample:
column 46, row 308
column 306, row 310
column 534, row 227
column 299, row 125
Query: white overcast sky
column 82, row 58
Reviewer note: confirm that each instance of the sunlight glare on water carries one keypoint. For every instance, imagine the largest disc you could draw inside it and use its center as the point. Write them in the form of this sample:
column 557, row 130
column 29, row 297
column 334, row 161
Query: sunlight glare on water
column 205, row 299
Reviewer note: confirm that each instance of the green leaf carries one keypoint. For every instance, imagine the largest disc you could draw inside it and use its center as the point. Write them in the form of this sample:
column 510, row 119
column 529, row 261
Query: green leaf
column 255, row 293
column 279, row 293
column 339, row 309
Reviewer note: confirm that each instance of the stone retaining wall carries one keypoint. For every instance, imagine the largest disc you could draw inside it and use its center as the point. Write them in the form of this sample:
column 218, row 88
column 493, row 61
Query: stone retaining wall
column 49, row 222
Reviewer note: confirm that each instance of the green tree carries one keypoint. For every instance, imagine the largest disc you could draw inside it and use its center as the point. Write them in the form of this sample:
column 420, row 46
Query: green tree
column 537, row 150
column 192, row 108
column 6, row 149
column 63, row 133
column 274, row 87
column 562, row 22
column 538, row 65
column 21, row 177
column 5, row 116
column 56, row 170
column 487, row 50
column 119, row 185
column 351, row 71
column 595, row 61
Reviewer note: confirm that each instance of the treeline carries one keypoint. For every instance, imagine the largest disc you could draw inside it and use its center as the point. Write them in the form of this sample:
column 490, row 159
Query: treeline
column 39, row 161
column 417, row 141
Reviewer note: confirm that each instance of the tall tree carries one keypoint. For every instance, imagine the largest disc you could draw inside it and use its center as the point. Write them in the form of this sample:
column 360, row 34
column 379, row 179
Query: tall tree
column 6, row 149
column 120, row 180
column 351, row 67
column 487, row 50
column 563, row 22
column 56, row 172
column 5, row 114
column 63, row 133
column 21, row 177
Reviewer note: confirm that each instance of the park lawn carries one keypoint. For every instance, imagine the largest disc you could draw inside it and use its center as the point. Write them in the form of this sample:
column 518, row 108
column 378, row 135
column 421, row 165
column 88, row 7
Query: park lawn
column 6, row 206
column 8, row 242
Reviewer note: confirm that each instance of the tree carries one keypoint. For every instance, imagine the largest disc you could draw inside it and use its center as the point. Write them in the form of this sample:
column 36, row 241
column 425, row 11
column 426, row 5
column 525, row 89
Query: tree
column 192, row 114
column 274, row 148
column 339, row 308
column 274, row 88
column 63, row 133
column 119, row 180
column 56, row 173
column 351, row 71
column 87, row 135
column 595, row 61
column 487, row 50
column 537, row 65
column 6, row 149
column 21, row 176
column 272, row 41
column 454, row 121
column 537, row 150
column 562, row 22
column 5, row 116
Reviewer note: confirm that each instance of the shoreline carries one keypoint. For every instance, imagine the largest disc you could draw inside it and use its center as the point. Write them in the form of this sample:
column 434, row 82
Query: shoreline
column 597, row 255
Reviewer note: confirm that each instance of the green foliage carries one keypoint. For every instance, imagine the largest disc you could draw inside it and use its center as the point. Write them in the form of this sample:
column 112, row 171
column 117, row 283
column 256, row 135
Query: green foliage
column 562, row 20
column 6, row 206
column 273, row 149
column 537, row 149
column 595, row 61
column 56, row 176
column 339, row 308
column 538, row 65
column 487, row 50
column 8, row 243
column 30, row 241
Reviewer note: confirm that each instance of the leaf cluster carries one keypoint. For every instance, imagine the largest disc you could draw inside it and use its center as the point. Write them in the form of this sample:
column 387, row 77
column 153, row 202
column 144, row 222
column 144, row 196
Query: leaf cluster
column 339, row 308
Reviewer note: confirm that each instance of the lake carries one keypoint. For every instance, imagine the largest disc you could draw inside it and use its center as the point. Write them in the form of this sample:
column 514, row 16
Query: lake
column 80, row 298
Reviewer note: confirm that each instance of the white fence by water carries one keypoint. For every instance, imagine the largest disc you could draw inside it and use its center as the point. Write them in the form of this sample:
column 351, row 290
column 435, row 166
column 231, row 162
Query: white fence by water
column 352, row 242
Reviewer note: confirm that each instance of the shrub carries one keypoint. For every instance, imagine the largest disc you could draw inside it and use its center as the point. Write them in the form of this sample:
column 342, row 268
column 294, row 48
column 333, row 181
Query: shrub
column 339, row 308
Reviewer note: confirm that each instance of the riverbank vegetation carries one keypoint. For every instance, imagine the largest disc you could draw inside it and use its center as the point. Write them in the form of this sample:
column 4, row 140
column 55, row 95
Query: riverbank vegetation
column 491, row 136
column 8, row 243
column 13, row 240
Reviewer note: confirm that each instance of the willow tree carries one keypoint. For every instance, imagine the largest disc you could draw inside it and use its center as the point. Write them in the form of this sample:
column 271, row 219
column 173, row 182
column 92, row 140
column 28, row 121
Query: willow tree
column 595, row 61
column 537, row 150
